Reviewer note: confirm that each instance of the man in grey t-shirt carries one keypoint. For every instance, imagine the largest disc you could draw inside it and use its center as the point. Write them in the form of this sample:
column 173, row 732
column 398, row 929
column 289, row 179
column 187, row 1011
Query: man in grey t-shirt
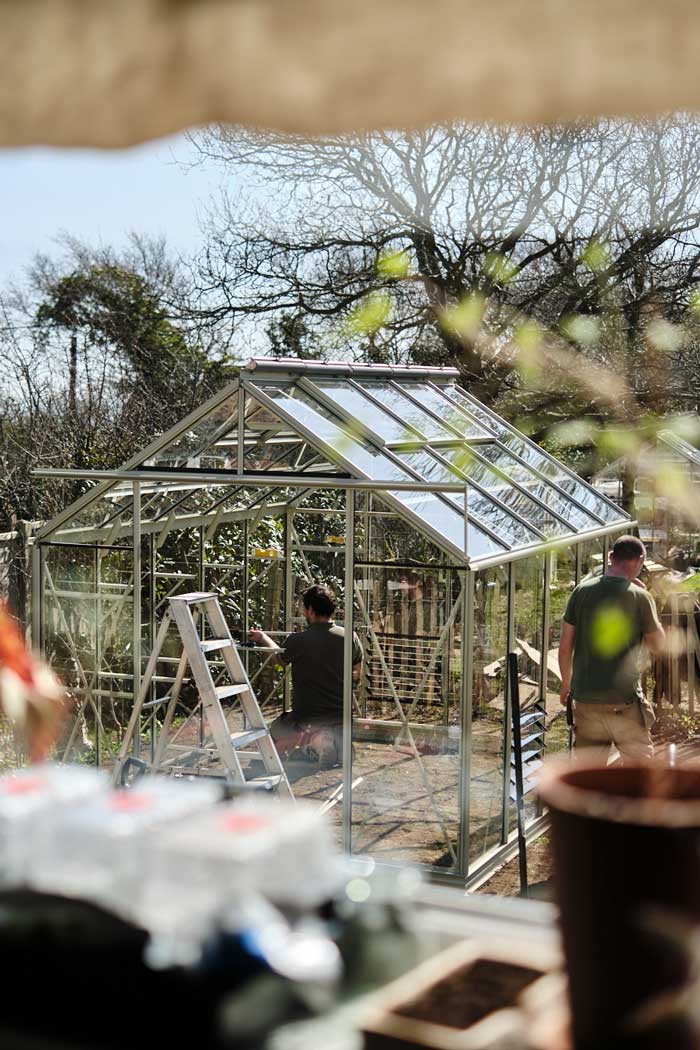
column 316, row 656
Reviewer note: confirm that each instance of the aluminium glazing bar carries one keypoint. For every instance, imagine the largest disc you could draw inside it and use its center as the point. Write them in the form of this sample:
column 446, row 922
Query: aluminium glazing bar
column 203, row 479
column 562, row 541
column 348, row 668
column 466, row 723
column 136, row 606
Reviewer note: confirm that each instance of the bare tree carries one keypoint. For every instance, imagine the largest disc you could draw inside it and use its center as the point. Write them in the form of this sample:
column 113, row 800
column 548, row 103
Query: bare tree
column 592, row 221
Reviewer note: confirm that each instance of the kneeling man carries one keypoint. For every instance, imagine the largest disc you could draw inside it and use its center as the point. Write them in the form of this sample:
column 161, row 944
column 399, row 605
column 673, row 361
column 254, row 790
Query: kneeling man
column 317, row 659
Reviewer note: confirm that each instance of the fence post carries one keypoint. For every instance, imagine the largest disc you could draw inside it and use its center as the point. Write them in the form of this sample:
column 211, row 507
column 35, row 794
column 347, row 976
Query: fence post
column 690, row 636
column 674, row 685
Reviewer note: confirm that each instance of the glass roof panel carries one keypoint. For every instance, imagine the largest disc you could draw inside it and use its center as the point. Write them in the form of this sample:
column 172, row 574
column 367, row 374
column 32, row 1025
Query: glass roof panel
column 187, row 449
column 579, row 519
column 450, row 523
column 503, row 490
column 533, row 455
column 376, row 465
column 508, row 528
column 407, row 410
column 443, row 406
column 357, row 404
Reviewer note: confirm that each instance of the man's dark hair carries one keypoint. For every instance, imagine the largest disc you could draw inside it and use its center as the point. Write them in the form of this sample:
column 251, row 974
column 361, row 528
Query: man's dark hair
column 627, row 548
column 321, row 599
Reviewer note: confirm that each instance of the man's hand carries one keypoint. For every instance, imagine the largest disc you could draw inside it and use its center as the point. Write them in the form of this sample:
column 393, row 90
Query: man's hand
column 564, row 695
column 259, row 637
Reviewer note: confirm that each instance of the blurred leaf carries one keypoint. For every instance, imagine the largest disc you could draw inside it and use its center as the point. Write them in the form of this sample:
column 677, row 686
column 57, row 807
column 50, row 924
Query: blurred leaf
column 529, row 340
column 466, row 317
column 596, row 256
column 619, row 441
column 685, row 426
column 612, row 631
column 500, row 269
column 372, row 313
column 665, row 336
column 581, row 328
column 574, row 432
column 394, row 265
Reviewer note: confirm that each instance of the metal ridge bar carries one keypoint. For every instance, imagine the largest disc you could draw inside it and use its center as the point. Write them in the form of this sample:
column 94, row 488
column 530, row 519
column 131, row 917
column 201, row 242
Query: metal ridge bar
column 205, row 479
column 346, row 368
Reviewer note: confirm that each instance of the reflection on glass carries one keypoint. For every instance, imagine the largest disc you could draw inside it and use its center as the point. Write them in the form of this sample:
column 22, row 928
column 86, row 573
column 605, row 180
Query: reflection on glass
column 375, row 464
column 509, row 529
column 365, row 410
column 494, row 483
column 577, row 518
column 407, row 410
column 534, row 456
column 443, row 407
column 488, row 710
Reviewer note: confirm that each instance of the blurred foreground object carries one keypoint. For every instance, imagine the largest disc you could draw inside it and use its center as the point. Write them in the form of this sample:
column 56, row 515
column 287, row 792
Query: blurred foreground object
column 96, row 73
column 626, row 847
column 30, row 695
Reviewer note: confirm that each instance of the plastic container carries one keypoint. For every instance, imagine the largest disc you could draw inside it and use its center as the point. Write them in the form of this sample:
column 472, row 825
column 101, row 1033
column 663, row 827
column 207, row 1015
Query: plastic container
column 32, row 800
column 96, row 851
column 206, row 864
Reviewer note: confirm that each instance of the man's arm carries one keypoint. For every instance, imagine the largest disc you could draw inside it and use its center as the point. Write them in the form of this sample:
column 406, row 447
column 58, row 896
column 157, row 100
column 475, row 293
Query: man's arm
column 357, row 657
column 653, row 633
column 655, row 641
column 260, row 638
column 566, row 658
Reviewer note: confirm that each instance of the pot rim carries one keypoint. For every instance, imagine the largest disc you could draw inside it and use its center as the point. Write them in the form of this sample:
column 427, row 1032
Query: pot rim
column 654, row 810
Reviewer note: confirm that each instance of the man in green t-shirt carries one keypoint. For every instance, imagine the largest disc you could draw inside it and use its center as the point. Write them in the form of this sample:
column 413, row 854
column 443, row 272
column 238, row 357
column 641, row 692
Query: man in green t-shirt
column 605, row 623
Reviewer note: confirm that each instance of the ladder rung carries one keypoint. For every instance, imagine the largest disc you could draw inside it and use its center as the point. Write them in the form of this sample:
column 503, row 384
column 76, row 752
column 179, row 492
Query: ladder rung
column 212, row 644
column 266, row 783
column 225, row 691
column 247, row 736
column 193, row 597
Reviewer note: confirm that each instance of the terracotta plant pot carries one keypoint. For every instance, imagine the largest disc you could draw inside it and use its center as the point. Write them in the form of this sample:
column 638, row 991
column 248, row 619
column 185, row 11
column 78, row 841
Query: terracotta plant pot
column 626, row 846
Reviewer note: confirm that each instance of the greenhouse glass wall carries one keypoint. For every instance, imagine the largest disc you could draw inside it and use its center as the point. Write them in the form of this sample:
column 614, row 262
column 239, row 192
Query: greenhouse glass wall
column 665, row 497
column 456, row 537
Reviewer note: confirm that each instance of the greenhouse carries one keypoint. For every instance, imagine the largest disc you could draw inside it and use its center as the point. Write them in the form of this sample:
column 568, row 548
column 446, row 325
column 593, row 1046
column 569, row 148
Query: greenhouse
column 458, row 538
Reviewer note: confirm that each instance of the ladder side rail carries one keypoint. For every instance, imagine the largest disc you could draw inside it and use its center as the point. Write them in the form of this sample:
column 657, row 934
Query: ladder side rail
column 201, row 672
column 248, row 700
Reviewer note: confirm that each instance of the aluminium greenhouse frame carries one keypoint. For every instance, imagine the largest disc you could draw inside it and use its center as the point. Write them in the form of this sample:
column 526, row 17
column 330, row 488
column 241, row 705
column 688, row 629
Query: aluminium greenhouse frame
column 483, row 500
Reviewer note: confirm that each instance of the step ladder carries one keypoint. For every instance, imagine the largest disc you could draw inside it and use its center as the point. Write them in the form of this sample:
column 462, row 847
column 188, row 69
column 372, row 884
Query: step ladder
column 191, row 613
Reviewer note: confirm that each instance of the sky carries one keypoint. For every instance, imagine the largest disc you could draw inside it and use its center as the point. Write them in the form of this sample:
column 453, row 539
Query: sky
column 99, row 196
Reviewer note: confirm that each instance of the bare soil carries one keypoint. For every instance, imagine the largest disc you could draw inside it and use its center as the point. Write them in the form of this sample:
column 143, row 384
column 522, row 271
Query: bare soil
column 506, row 881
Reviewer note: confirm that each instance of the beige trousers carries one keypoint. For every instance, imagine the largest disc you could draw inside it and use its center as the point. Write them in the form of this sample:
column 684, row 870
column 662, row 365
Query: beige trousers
column 600, row 725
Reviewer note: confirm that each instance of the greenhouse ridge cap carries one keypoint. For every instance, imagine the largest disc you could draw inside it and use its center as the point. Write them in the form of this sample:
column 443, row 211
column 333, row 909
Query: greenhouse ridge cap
column 346, row 368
